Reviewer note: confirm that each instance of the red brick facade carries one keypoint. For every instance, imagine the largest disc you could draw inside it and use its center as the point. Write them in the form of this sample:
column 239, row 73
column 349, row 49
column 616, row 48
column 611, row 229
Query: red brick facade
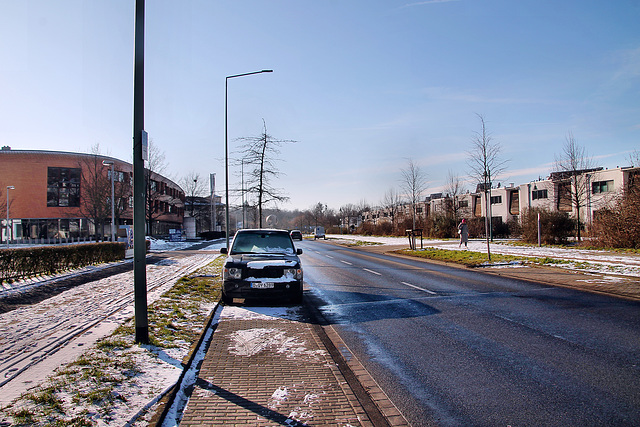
column 28, row 171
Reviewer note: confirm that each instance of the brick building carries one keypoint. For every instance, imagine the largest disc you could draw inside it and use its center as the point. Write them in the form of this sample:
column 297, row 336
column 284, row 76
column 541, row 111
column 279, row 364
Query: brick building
column 68, row 196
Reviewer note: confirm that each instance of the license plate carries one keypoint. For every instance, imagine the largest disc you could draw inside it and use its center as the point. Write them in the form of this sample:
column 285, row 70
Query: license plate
column 262, row 285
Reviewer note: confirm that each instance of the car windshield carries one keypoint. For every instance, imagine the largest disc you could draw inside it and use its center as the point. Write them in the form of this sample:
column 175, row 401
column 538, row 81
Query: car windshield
column 261, row 243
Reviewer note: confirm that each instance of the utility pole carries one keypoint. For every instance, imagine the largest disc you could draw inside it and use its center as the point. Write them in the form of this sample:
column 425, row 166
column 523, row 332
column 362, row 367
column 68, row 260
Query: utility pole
column 139, row 193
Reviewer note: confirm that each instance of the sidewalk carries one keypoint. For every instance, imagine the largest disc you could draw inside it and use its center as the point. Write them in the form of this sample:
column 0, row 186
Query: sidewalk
column 276, row 366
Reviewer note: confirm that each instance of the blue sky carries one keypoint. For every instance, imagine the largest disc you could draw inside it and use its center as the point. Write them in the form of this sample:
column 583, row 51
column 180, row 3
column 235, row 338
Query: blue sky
column 360, row 85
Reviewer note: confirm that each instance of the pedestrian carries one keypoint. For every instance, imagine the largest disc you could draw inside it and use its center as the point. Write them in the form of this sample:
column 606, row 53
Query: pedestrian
column 463, row 231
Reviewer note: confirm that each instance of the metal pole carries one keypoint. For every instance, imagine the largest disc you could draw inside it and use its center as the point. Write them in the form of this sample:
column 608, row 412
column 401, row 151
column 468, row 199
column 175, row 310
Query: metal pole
column 113, row 208
column 539, row 231
column 212, row 182
column 139, row 196
column 243, row 206
column 113, row 216
column 226, row 145
column 226, row 163
column 9, row 187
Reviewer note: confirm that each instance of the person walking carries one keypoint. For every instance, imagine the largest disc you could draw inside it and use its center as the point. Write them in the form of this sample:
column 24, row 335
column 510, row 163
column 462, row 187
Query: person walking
column 463, row 231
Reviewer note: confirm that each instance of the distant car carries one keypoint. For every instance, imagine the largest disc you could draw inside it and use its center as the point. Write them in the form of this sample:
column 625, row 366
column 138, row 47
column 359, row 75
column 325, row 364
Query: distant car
column 262, row 265
column 318, row 233
column 296, row 235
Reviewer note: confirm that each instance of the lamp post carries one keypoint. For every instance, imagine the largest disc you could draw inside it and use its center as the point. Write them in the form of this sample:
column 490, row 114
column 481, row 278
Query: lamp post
column 226, row 145
column 212, row 184
column 113, row 210
column 9, row 187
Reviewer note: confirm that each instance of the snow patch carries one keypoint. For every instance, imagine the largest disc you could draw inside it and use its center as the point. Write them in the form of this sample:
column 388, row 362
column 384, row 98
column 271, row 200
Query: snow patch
column 259, row 265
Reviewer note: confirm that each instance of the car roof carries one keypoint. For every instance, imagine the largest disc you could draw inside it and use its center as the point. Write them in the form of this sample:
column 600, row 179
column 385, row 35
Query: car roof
column 262, row 230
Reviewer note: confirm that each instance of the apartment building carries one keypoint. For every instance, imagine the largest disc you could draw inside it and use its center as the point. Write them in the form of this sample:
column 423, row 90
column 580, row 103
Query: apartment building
column 597, row 188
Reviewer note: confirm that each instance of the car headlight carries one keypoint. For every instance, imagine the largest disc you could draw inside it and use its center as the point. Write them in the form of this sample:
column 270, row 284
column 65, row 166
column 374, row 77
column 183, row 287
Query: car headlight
column 293, row 272
column 232, row 273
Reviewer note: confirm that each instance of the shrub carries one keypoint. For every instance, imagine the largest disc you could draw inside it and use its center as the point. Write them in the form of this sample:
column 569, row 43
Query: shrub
column 619, row 227
column 25, row 262
column 441, row 226
column 556, row 227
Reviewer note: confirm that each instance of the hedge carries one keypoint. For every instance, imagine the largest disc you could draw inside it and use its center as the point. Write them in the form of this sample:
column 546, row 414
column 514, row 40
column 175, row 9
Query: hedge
column 21, row 263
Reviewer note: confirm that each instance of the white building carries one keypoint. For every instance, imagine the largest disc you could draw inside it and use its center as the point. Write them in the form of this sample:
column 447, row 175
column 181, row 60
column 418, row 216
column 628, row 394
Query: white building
column 598, row 188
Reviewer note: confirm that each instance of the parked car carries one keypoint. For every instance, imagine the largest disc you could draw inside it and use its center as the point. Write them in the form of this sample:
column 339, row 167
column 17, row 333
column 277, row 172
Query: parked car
column 296, row 235
column 318, row 233
column 262, row 265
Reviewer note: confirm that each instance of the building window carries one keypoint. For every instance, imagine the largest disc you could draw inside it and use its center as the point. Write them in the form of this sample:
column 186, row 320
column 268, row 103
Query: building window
column 63, row 187
column 463, row 204
column 117, row 176
column 602, row 187
column 564, row 197
column 514, row 203
column 539, row 194
column 477, row 207
column 496, row 200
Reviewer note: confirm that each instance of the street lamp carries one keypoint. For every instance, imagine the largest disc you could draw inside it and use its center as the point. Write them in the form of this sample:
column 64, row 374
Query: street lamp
column 226, row 144
column 113, row 216
column 9, row 187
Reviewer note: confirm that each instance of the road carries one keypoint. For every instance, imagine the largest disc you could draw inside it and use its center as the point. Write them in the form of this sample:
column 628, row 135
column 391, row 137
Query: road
column 454, row 346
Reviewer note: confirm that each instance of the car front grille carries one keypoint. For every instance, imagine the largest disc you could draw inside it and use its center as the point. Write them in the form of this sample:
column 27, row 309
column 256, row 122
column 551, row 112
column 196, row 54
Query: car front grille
column 267, row 273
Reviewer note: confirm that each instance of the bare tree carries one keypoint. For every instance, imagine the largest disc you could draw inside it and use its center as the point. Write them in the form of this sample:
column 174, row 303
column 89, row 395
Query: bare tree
column 193, row 187
column 3, row 205
column 634, row 158
column 570, row 164
column 318, row 212
column 260, row 154
column 96, row 190
column 155, row 166
column 391, row 202
column 413, row 184
column 484, row 162
column 348, row 211
column 454, row 186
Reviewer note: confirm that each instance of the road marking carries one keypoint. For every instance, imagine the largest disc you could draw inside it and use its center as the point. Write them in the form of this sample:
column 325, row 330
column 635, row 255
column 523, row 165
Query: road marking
column 419, row 288
column 329, row 256
column 345, row 262
column 371, row 271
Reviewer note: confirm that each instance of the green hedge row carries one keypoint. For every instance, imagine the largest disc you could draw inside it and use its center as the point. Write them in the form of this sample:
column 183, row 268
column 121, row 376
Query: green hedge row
column 21, row 263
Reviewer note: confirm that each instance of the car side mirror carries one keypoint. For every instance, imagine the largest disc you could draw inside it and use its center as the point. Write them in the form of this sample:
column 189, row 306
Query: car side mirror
column 224, row 251
column 299, row 251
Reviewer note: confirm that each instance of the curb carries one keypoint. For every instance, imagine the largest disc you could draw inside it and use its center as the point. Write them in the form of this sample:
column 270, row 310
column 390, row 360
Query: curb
column 381, row 411
column 167, row 401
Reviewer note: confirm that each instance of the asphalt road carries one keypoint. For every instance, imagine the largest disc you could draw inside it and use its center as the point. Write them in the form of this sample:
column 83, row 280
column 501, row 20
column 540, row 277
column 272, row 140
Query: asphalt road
column 455, row 346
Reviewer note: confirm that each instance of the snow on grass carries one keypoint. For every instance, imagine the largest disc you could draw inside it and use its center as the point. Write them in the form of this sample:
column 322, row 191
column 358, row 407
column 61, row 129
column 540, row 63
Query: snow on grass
column 587, row 260
column 115, row 381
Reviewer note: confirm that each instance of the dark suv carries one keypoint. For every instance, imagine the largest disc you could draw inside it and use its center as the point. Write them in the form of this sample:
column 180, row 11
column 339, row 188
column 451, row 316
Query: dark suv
column 262, row 265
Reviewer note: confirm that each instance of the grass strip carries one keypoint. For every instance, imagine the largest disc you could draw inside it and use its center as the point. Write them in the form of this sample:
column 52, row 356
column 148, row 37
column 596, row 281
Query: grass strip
column 89, row 391
column 475, row 259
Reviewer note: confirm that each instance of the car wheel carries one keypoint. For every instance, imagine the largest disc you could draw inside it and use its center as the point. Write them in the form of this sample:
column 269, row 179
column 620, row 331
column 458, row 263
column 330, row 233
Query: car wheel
column 297, row 299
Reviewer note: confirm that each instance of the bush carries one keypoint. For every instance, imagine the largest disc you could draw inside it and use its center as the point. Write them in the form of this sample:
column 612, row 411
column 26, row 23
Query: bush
column 619, row 227
column 441, row 226
column 26, row 262
column 476, row 227
column 556, row 227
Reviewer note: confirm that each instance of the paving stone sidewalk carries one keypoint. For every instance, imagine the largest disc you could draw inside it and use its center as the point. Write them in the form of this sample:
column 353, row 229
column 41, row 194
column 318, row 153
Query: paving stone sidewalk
column 269, row 367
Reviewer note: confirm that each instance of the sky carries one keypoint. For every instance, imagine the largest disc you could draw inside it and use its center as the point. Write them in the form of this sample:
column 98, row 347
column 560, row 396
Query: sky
column 361, row 86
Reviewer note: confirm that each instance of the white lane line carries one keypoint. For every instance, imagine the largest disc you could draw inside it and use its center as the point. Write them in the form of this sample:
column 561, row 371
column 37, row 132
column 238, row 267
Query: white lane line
column 345, row 262
column 371, row 271
column 329, row 256
column 419, row 288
